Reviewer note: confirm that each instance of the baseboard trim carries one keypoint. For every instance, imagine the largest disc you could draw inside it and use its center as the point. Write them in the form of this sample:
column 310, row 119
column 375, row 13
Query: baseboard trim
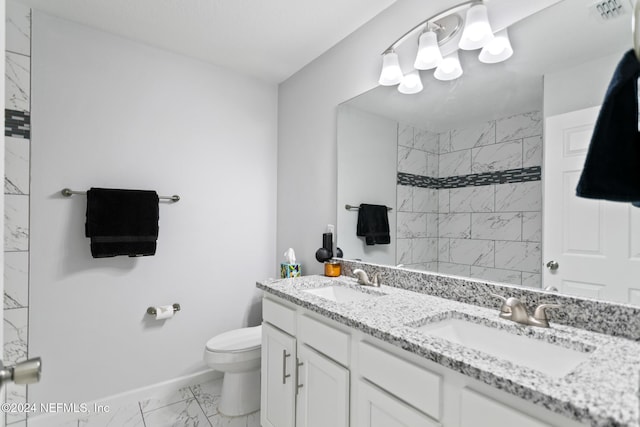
column 46, row 420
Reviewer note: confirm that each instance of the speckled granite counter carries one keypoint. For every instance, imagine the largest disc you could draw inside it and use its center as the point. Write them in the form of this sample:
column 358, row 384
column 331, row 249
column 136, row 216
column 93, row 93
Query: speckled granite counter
column 602, row 391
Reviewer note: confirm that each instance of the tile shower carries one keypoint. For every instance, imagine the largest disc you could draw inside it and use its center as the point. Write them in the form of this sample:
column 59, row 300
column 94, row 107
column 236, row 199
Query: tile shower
column 470, row 199
column 16, row 195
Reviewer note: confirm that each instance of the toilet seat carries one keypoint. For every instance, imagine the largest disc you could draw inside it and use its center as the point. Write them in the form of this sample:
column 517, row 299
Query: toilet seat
column 237, row 340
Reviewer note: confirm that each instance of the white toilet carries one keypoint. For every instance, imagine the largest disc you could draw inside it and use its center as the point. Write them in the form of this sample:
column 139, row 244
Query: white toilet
column 237, row 354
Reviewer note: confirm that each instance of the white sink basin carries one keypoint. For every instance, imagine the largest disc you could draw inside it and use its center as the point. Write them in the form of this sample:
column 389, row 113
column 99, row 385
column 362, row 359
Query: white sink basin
column 341, row 293
column 550, row 359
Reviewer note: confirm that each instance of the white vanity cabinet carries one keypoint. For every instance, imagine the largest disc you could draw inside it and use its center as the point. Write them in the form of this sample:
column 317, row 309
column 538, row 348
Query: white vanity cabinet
column 304, row 382
column 278, row 388
column 317, row 372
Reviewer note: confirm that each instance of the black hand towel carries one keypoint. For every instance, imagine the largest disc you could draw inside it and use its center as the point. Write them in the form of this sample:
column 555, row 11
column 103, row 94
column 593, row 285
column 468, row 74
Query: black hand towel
column 612, row 167
column 122, row 222
column 373, row 224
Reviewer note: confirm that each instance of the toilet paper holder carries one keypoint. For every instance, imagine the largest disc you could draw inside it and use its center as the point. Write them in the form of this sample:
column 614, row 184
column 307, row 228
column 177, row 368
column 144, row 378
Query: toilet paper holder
column 152, row 310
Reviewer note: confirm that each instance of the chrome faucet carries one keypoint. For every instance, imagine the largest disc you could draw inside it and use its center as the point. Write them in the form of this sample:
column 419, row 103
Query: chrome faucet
column 513, row 309
column 363, row 279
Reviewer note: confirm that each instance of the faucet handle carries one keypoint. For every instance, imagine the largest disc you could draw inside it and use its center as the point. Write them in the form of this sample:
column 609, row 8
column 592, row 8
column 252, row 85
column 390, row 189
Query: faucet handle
column 504, row 308
column 541, row 314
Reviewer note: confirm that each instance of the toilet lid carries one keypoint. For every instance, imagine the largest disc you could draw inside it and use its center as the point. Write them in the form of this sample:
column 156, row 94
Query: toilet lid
column 236, row 340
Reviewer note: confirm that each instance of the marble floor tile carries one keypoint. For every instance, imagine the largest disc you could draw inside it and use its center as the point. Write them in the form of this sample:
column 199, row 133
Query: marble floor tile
column 182, row 414
column 222, row 421
column 164, row 398
column 208, row 395
column 124, row 416
column 253, row 420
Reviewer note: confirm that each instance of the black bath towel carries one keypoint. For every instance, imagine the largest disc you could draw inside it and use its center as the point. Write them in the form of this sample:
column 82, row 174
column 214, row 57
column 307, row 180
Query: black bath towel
column 612, row 167
column 122, row 222
column 373, row 224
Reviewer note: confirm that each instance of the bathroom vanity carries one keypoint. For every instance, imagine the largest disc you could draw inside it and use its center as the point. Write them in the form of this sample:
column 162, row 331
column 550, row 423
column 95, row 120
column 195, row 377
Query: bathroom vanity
column 337, row 353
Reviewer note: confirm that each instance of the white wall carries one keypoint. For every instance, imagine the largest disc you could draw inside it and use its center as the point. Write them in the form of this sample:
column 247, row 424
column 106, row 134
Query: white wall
column 367, row 149
column 113, row 113
column 307, row 111
column 579, row 87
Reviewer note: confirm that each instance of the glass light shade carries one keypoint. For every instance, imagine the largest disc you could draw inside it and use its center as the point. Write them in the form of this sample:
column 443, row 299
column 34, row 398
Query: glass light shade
column 411, row 83
column 498, row 49
column 449, row 68
column 391, row 73
column 477, row 31
column 429, row 55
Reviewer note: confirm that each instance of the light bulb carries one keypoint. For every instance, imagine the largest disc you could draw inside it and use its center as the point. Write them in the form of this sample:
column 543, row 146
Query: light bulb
column 449, row 68
column 411, row 83
column 391, row 73
column 429, row 55
column 498, row 49
column 477, row 31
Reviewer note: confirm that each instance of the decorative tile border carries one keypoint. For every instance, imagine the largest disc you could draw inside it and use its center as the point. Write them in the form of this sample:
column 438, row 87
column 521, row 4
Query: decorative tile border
column 17, row 124
column 509, row 176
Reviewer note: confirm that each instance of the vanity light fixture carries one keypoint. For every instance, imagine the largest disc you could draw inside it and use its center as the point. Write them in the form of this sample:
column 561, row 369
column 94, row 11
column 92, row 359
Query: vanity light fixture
column 477, row 31
column 410, row 83
column 497, row 50
column 391, row 73
column 429, row 55
column 449, row 68
column 450, row 31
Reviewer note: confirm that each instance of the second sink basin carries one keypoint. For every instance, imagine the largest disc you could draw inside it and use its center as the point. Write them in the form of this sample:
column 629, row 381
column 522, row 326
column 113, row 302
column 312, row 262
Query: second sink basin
column 550, row 359
column 341, row 293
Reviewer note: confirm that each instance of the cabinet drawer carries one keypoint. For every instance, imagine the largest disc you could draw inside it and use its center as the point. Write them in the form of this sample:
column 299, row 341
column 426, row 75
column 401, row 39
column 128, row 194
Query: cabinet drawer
column 478, row 410
column 327, row 340
column 377, row 408
column 411, row 383
column 279, row 316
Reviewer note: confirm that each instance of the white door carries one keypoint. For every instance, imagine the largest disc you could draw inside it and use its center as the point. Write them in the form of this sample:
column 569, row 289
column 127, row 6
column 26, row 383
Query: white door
column 278, row 378
column 376, row 408
column 594, row 243
column 323, row 391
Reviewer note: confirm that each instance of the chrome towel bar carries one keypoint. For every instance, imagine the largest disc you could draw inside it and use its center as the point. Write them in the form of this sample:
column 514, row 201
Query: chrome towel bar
column 68, row 193
column 351, row 208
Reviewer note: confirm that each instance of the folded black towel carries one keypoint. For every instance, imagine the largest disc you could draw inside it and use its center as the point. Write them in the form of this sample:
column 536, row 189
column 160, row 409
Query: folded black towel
column 612, row 167
column 373, row 224
column 122, row 222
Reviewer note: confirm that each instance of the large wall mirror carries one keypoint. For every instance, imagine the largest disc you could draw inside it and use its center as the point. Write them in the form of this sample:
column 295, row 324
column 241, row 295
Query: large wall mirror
column 472, row 169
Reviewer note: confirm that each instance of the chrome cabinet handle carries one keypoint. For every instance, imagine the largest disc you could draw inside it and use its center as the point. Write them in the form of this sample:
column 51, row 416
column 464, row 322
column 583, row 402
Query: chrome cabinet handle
column 284, row 366
column 298, row 385
column 552, row 265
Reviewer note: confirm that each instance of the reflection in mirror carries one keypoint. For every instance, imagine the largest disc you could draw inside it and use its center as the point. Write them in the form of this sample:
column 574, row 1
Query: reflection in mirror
column 461, row 164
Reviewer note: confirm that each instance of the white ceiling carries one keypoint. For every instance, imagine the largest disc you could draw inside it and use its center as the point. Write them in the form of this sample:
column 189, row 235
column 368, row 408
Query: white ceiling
column 270, row 39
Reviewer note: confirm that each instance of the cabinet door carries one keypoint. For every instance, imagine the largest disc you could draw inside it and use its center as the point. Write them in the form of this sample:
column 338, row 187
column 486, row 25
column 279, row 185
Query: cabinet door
column 323, row 391
column 379, row 409
column 479, row 411
column 278, row 378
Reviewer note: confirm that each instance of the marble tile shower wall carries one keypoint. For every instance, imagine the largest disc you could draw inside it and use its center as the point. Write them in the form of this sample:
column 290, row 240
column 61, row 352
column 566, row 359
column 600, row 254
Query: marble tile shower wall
column 16, row 195
column 483, row 228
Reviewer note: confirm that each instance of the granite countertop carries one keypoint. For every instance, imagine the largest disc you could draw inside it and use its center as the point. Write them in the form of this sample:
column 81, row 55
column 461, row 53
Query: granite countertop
column 601, row 391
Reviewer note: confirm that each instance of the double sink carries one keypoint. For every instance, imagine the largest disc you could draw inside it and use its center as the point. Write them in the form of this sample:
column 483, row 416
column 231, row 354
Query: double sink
column 500, row 341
